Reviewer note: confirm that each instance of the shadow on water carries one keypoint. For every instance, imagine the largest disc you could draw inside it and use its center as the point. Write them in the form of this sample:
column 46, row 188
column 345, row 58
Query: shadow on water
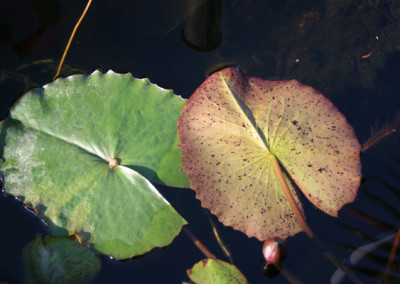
column 144, row 171
column 377, row 257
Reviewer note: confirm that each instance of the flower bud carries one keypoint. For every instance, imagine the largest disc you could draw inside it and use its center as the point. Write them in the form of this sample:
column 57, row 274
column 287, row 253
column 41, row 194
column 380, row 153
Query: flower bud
column 275, row 250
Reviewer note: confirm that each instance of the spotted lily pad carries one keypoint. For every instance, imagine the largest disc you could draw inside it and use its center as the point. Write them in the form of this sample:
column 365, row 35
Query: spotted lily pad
column 82, row 151
column 215, row 271
column 234, row 126
column 59, row 260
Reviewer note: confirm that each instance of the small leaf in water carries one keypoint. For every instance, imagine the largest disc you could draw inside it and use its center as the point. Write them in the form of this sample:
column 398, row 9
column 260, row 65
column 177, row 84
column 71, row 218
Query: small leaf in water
column 215, row 271
column 59, row 260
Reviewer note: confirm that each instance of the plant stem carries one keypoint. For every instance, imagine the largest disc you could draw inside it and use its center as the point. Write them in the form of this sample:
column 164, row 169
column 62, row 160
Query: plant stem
column 218, row 238
column 71, row 38
column 393, row 127
column 289, row 196
column 392, row 256
column 289, row 276
column 377, row 137
column 198, row 244
column 303, row 223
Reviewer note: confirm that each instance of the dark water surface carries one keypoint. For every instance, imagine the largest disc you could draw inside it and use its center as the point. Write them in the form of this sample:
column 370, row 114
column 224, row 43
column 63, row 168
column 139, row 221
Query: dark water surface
column 349, row 50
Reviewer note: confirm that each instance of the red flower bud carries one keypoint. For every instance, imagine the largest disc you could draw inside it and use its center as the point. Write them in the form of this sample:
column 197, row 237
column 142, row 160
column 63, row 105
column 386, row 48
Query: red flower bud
column 274, row 250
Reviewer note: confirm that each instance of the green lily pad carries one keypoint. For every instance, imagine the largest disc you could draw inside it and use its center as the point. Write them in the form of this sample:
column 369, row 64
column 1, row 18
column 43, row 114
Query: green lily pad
column 215, row 271
column 233, row 126
column 82, row 151
column 59, row 260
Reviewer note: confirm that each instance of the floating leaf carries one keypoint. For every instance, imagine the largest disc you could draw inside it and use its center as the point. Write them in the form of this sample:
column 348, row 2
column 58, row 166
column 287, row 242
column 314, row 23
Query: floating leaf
column 215, row 271
column 233, row 126
column 59, row 260
column 81, row 152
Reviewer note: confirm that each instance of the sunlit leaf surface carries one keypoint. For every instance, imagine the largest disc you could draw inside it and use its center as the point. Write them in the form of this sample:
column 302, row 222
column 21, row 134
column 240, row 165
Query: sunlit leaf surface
column 57, row 149
column 215, row 271
column 231, row 127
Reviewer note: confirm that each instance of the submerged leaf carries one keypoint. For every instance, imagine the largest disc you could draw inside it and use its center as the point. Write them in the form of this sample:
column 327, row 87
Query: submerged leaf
column 231, row 128
column 81, row 152
column 59, row 260
column 215, row 271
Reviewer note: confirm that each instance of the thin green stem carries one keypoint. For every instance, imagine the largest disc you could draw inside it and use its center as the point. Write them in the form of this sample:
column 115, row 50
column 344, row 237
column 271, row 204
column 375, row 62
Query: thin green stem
column 303, row 223
column 218, row 238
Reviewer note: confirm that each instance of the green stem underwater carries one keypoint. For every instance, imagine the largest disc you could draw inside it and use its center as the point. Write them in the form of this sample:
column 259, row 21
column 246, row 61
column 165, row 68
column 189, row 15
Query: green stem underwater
column 198, row 244
column 218, row 238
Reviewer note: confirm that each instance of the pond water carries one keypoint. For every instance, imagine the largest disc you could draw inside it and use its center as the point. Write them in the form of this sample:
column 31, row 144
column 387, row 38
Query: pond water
column 348, row 50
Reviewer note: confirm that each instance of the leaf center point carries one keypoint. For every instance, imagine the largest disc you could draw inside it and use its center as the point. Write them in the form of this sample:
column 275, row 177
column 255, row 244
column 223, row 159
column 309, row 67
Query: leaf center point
column 113, row 163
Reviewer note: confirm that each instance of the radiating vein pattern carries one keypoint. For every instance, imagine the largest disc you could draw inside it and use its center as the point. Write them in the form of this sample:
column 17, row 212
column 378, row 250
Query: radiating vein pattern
column 231, row 127
column 227, row 162
column 56, row 148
